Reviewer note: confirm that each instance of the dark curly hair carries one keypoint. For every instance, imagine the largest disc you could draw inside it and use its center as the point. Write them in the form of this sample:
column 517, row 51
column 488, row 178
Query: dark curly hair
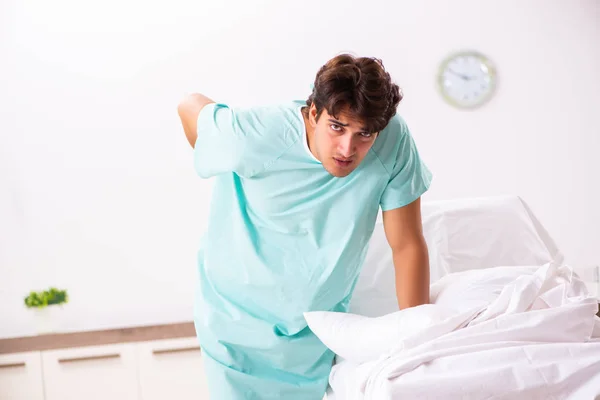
column 359, row 85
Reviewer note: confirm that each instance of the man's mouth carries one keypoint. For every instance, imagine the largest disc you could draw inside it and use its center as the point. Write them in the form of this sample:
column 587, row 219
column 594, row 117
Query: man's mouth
column 342, row 162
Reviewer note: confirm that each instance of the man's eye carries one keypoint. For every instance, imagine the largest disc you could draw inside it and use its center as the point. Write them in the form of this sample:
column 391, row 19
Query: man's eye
column 366, row 134
column 335, row 127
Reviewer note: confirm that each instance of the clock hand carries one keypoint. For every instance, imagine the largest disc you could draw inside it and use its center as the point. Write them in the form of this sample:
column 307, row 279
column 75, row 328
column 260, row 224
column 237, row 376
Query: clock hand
column 461, row 76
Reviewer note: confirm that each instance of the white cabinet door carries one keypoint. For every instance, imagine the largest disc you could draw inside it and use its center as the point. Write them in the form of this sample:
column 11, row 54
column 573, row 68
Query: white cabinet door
column 171, row 369
column 21, row 376
column 91, row 373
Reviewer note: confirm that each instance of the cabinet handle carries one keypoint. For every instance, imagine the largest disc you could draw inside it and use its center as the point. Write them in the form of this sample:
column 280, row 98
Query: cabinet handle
column 13, row 365
column 88, row 358
column 178, row 350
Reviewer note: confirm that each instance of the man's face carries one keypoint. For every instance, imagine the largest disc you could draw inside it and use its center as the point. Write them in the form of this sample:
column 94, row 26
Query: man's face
column 341, row 143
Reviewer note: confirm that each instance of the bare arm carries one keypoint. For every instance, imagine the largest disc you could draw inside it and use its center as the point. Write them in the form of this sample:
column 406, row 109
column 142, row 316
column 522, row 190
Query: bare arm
column 188, row 110
column 404, row 233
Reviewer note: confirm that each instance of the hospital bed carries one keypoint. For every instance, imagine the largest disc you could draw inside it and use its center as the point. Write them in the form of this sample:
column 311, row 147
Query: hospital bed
column 508, row 320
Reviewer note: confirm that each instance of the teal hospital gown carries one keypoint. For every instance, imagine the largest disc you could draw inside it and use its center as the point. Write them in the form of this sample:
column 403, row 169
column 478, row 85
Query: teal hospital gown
column 284, row 237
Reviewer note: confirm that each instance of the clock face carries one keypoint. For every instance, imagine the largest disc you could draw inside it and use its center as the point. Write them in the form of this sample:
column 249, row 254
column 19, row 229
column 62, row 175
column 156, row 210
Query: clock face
column 467, row 79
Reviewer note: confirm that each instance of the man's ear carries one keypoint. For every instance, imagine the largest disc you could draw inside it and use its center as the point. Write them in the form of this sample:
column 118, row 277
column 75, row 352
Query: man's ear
column 312, row 115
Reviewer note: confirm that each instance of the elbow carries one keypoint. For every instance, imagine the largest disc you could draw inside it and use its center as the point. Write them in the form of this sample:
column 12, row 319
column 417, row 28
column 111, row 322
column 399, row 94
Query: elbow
column 194, row 102
column 189, row 109
column 415, row 244
column 186, row 105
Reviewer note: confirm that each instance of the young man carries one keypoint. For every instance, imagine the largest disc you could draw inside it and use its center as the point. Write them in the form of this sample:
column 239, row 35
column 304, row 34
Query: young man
column 297, row 192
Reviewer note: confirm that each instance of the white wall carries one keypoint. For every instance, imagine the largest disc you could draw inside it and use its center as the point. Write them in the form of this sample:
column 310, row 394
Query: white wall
column 98, row 194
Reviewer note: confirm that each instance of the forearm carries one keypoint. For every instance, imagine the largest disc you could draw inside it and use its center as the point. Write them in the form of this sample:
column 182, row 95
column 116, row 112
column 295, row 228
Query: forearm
column 412, row 275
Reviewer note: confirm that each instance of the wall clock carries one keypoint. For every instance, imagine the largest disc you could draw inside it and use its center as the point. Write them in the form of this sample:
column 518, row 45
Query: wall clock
column 467, row 79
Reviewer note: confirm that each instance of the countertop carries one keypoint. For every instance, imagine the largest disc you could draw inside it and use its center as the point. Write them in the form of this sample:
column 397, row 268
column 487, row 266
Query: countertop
column 96, row 338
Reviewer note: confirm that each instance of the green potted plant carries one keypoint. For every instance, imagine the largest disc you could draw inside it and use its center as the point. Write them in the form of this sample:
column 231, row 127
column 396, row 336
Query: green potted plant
column 47, row 307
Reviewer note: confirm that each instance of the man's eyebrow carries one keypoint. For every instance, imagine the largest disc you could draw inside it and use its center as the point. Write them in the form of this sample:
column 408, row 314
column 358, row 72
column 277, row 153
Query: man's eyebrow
column 335, row 121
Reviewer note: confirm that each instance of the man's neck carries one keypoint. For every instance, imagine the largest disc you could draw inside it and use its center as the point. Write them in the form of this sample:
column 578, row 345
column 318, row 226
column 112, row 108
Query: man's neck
column 310, row 131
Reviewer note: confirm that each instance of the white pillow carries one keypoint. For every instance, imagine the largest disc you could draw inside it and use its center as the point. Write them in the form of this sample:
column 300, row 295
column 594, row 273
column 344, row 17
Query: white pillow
column 461, row 235
column 456, row 298
column 481, row 233
column 359, row 339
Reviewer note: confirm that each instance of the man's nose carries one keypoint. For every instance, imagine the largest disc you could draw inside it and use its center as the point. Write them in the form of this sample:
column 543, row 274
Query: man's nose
column 346, row 146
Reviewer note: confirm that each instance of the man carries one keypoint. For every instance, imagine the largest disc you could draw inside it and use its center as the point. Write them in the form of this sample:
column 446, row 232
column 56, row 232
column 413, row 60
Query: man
column 297, row 191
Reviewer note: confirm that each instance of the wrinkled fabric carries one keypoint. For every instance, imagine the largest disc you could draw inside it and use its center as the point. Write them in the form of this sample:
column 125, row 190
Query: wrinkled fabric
column 536, row 337
column 284, row 237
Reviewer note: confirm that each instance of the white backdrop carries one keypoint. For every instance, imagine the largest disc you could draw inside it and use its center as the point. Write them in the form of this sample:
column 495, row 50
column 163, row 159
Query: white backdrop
column 98, row 194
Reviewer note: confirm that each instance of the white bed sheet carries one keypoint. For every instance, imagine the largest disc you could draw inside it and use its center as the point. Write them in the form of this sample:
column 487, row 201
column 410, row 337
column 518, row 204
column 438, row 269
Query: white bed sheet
column 536, row 336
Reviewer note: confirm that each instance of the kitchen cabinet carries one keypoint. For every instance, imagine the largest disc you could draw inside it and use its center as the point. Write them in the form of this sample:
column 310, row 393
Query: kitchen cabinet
column 171, row 369
column 21, row 376
column 91, row 373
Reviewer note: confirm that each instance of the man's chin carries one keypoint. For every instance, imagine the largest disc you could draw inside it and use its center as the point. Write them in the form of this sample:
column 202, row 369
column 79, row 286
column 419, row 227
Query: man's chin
column 337, row 172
